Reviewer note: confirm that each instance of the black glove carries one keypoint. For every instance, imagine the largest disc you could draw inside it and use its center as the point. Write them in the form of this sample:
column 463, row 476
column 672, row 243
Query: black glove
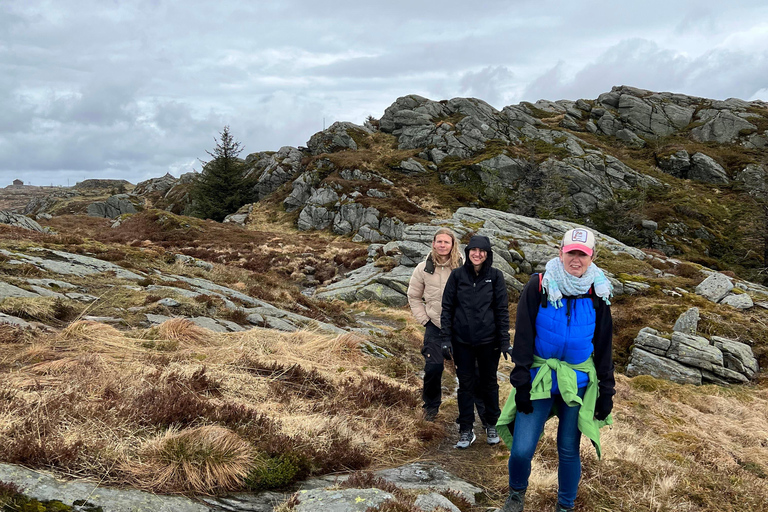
column 447, row 351
column 603, row 407
column 523, row 398
column 506, row 351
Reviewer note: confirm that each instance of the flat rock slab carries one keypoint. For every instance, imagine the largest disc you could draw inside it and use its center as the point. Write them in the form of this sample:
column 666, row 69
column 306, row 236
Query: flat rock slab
column 8, row 319
column 44, row 487
column 342, row 500
column 420, row 475
column 8, row 290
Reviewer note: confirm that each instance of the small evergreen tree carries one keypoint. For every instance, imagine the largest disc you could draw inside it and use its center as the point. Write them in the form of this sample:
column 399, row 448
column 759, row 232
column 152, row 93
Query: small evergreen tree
column 221, row 188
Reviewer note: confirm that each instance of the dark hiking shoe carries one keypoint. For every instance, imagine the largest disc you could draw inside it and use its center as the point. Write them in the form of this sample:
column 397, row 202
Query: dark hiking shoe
column 491, row 435
column 466, row 438
column 515, row 501
column 430, row 414
column 560, row 508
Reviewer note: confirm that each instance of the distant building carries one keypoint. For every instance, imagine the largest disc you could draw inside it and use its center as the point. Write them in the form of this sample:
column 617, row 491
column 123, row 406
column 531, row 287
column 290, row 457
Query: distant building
column 17, row 183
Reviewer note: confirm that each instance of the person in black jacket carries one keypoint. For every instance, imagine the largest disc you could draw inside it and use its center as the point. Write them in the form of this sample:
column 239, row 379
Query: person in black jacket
column 475, row 331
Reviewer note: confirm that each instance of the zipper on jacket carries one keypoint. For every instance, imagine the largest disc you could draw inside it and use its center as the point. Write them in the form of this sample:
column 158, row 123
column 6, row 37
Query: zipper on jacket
column 568, row 311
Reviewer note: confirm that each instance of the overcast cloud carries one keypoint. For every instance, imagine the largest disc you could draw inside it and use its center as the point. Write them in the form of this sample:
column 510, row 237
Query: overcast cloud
column 133, row 89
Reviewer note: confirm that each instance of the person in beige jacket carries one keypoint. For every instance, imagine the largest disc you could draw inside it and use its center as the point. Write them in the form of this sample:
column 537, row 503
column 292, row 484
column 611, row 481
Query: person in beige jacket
column 425, row 296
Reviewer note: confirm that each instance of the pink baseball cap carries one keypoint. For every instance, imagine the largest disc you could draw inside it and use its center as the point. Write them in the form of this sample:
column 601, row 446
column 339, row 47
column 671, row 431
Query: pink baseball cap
column 579, row 239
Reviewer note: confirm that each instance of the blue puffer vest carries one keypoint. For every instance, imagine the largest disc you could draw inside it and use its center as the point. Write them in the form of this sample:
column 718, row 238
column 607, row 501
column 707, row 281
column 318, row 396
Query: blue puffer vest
column 566, row 334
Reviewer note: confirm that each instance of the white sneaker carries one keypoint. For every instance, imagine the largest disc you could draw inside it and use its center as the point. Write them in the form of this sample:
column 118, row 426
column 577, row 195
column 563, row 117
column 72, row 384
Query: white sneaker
column 466, row 438
column 491, row 435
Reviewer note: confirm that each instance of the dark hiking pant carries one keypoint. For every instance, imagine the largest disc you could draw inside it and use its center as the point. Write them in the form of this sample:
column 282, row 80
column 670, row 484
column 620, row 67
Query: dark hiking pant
column 476, row 367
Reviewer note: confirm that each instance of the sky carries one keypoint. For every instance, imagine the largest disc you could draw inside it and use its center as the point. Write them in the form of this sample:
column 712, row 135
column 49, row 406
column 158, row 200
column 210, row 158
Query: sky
column 135, row 89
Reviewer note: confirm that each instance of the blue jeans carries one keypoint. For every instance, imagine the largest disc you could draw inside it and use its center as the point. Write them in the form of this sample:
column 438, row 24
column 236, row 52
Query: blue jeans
column 528, row 429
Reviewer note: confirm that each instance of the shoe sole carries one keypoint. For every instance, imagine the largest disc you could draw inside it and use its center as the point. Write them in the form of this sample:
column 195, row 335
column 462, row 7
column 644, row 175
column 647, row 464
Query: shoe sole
column 492, row 442
column 474, row 436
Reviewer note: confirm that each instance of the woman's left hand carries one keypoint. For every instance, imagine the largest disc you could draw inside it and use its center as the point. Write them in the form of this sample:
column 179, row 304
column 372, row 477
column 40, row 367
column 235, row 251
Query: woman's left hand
column 603, row 407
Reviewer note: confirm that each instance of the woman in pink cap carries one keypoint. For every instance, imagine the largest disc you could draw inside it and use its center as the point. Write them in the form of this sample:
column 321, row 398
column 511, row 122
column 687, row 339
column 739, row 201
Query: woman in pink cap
column 563, row 367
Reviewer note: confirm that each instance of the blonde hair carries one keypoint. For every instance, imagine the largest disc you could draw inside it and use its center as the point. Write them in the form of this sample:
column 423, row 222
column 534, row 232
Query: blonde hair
column 454, row 258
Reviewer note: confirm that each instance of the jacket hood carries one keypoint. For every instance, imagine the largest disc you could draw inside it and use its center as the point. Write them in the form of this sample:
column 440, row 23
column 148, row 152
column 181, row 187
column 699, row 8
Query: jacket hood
column 480, row 242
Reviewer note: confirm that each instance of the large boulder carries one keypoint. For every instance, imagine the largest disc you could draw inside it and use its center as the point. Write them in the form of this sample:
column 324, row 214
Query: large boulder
column 721, row 126
column 271, row 170
column 642, row 362
column 19, row 221
column 113, row 207
column 689, row 359
column 715, row 287
column 339, row 136
column 157, row 186
column 705, row 169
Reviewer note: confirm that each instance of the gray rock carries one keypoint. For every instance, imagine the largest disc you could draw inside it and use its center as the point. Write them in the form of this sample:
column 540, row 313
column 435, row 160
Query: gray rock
column 280, row 324
column 189, row 260
column 169, row 303
column 383, row 294
column 19, row 221
column 752, row 178
column 630, row 138
column 323, row 197
column 336, row 138
column 43, row 487
column 155, row 185
column 688, row 322
column 255, row 319
column 8, row 290
column 421, row 475
column 52, row 283
column 429, row 502
column 676, row 164
column 694, row 351
column 156, row 319
column 715, row 287
column 738, row 300
column 12, row 320
column 642, row 362
column 737, row 356
column 721, row 126
column 315, row 217
column 649, row 340
column 208, row 323
column 302, row 189
column 113, row 207
column 705, row 169
column 271, row 170
column 71, row 264
column 412, row 167
column 340, row 500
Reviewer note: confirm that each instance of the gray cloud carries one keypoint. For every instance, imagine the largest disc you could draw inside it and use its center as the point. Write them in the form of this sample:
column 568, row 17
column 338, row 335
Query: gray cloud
column 136, row 89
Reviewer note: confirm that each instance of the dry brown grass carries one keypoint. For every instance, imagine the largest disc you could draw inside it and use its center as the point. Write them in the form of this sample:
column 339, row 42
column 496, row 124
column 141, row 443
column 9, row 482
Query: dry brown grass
column 200, row 411
column 203, row 459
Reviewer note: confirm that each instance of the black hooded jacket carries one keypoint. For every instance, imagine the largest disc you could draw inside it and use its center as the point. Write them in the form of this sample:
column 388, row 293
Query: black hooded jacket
column 475, row 304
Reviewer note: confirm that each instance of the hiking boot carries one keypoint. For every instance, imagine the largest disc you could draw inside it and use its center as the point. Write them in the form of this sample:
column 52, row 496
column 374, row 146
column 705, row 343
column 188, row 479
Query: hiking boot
column 491, row 435
column 515, row 501
column 430, row 414
column 560, row 508
column 466, row 438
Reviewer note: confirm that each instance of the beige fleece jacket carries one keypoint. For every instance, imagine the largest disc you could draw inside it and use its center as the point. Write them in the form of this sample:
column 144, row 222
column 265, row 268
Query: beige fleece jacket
column 425, row 292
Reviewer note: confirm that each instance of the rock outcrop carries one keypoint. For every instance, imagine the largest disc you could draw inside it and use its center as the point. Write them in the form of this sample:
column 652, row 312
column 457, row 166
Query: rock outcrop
column 686, row 358
column 114, row 206
column 19, row 221
column 521, row 245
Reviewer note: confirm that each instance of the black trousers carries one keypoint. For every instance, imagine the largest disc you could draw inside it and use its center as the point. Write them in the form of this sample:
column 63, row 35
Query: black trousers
column 433, row 373
column 476, row 367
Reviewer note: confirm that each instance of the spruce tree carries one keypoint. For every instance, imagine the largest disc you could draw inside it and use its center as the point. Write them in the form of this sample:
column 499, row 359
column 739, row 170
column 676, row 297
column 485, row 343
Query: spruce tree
column 221, row 188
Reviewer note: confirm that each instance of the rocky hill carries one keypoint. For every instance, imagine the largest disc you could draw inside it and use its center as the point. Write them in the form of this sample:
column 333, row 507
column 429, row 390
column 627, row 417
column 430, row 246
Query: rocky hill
column 284, row 332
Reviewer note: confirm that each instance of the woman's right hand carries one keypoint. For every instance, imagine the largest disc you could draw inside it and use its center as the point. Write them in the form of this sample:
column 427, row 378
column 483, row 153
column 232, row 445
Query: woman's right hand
column 523, row 398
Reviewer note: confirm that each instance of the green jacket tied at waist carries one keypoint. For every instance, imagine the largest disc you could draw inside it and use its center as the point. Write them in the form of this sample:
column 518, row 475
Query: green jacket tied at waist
column 566, row 380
